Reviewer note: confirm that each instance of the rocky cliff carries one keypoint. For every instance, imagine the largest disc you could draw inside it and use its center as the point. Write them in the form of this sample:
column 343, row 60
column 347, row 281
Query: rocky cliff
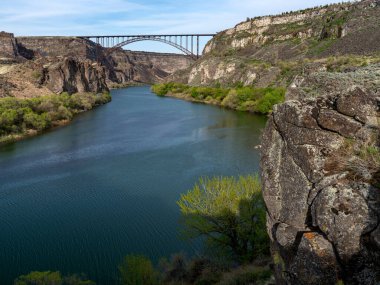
column 36, row 66
column 126, row 67
column 270, row 50
column 8, row 47
column 321, row 179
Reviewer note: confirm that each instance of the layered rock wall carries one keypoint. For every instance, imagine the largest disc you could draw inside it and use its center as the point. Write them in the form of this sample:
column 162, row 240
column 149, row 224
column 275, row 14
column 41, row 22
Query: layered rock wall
column 34, row 47
column 73, row 76
column 8, row 47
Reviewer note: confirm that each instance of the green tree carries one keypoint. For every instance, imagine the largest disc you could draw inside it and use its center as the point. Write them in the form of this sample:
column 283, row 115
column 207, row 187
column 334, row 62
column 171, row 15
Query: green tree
column 230, row 213
column 137, row 270
column 40, row 278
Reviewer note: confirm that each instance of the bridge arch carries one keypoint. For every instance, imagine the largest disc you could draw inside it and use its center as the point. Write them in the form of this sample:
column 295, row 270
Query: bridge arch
column 157, row 39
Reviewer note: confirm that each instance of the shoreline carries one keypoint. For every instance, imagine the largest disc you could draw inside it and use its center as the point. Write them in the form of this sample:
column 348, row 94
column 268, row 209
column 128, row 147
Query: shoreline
column 29, row 133
column 188, row 98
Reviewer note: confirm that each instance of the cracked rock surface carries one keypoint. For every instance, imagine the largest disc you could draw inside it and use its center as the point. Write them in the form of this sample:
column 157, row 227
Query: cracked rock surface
column 322, row 194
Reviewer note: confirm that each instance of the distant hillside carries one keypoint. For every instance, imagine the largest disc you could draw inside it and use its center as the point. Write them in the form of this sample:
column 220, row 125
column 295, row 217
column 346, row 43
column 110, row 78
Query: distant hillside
column 272, row 49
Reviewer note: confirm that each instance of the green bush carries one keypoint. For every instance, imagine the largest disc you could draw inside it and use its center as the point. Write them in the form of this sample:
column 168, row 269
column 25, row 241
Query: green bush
column 36, row 122
column 230, row 214
column 242, row 98
column 40, row 278
column 272, row 97
column 51, row 278
column 19, row 115
column 137, row 270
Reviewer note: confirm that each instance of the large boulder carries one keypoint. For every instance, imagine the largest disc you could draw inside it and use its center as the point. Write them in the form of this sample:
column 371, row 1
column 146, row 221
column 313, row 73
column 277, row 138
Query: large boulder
column 320, row 171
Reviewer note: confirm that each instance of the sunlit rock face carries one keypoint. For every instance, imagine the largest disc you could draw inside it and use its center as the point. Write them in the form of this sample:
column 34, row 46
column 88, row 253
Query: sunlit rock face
column 264, row 45
column 320, row 174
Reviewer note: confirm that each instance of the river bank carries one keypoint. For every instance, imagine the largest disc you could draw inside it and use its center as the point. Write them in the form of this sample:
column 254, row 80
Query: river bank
column 239, row 98
column 24, row 118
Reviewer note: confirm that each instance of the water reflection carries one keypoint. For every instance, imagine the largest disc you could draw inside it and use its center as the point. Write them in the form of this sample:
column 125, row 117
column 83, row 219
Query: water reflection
column 79, row 198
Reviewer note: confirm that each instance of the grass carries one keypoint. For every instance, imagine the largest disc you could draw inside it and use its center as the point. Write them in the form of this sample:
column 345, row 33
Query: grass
column 239, row 97
column 360, row 159
column 340, row 63
column 318, row 47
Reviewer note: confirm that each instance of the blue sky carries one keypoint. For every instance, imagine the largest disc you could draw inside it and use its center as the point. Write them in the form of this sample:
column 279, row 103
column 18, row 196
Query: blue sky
column 104, row 17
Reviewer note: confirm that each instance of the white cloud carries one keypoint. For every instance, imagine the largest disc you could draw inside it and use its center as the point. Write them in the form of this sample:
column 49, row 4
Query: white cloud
column 25, row 10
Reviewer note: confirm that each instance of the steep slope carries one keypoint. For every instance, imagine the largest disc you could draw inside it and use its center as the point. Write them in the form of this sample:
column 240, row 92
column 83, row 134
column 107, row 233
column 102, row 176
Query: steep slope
column 270, row 50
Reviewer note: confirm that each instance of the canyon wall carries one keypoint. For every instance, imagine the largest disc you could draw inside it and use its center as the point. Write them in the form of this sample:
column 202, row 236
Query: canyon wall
column 270, row 50
column 36, row 66
column 128, row 67
column 36, row 47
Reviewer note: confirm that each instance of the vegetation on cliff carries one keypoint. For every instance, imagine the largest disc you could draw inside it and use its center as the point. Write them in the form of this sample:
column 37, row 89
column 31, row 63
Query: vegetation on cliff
column 241, row 98
column 22, row 117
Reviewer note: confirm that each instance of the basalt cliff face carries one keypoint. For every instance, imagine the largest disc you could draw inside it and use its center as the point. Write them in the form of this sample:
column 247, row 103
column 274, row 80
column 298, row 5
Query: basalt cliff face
column 321, row 180
column 126, row 67
column 270, row 50
column 36, row 66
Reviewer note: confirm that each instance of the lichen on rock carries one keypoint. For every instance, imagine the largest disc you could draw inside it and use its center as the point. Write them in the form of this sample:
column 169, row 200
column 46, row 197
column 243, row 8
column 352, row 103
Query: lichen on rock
column 320, row 171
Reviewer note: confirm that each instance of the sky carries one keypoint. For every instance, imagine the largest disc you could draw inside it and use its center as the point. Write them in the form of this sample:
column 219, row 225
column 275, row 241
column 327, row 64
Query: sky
column 109, row 17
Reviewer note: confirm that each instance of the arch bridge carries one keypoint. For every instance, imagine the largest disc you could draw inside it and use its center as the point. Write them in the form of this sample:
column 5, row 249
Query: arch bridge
column 189, row 44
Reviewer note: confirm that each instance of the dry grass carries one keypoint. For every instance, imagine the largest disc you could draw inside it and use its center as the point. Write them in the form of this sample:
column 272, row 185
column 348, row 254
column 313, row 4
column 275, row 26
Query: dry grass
column 360, row 159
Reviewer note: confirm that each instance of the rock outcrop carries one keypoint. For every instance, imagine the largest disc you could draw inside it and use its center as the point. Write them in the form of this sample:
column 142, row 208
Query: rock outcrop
column 8, row 46
column 321, row 181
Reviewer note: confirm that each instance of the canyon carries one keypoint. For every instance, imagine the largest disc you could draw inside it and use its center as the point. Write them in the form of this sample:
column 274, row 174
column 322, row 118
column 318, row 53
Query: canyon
column 37, row 66
column 320, row 157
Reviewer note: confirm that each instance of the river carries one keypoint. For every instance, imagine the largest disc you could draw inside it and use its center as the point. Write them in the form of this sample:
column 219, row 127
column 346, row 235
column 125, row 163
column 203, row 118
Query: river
column 79, row 198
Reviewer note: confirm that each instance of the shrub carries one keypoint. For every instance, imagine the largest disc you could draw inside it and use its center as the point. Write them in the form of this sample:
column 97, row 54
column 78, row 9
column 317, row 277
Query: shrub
column 40, row 278
column 231, row 100
column 272, row 97
column 243, row 98
column 51, row 278
column 137, row 270
column 18, row 115
column 36, row 122
column 230, row 214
